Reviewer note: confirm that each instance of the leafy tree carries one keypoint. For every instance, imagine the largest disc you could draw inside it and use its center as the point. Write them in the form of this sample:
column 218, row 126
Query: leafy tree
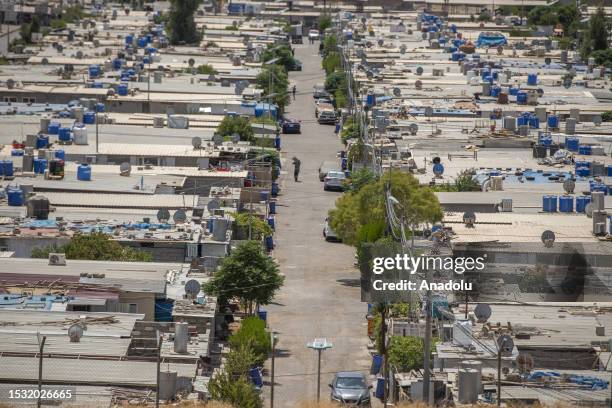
column 276, row 77
column 206, row 69
column 240, row 359
column 360, row 178
column 331, row 62
column 606, row 116
column 406, row 353
column 236, row 124
column 181, row 21
column 253, row 334
column 465, row 181
column 350, row 130
column 282, row 52
column 325, row 21
column 360, row 214
column 598, row 31
column 94, row 246
column 248, row 274
column 25, row 31
column 239, row 392
column 259, row 228
column 337, row 84
column 484, row 16
column 330, row 43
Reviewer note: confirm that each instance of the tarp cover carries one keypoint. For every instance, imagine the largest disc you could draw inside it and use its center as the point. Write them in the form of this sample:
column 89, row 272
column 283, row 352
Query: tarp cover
column 491, row 40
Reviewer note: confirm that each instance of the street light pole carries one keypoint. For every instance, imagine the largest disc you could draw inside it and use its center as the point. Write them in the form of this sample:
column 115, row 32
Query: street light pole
column 319, row 376
column 273, row 340
column 319, row 345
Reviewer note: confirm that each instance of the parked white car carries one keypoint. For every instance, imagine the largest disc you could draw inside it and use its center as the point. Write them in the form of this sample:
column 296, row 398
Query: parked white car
column 314, row 35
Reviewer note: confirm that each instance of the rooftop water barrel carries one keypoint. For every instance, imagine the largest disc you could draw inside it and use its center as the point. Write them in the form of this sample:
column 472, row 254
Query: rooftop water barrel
column 572, row 143
column 509, row 123
column 271, row 222
column 122, row 89
column 583, row 171
column 549, row 203
column 380, row 387
column 514, row 91
column 129, row 39
column 581, row 202
column 521, row 97
column 553, row 122
column 53, row 128
column 28, row 163
column 476, row 365
column 79, row 132
column 117, row 64
column 94, row 71
column 7, row 168
column 609, row 170
column 566, row 204
column 40, row 165
column 255, row 377
column 495, row 90
column 269, row 243
column 262, row 314
column 38, row 207
column 64, row 134
column 467, row 385
column 453, row 28
column 486, row 88
column 142, row 42
column 100, row 107
column 570, row 126
column 181, row 337
column 220, row 229
column 534, row 122
column 1, row 167
column 377, row 361
column 84, row 172
column 89, row 118
column 264, row 195
column 584, row 149
column 168, row 383
column 42, row 141
column 44, row 124
column 532, row 79
column 370, row 99
column 15, row 196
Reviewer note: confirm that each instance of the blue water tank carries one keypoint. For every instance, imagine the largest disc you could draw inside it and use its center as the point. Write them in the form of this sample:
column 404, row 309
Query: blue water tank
column 53, row 128
column 457, row 56
column 271, row 222
column 452, row 49
column 269, row 243
column 549, row 203
column 453, row 28
column 7, row 168
column 376, row 363
column 142, row 42
column 534, row 122
column 255, row 376
column 522, row 120
column 264, row 195
column 371, row 99
column 15, row 196
column 380, row 387
column 129, row 39
column 262, row 314
column 40, row 165
column 94, row 71
column 84, row 172
column 89, row 118
column 117, row 62
column 17, row 152
column 150, row 50
column 583, row 171
column 42, row 141
column 584, row 149
column 100, row 107
column 521, row 97
column 581, row 202
column 566, row 204
column 64, row 134
column 571, row 143
column 553, row 121
column 513, row 91
column 275, row 189
column 532, row 79
column 609, row 171
column 122, row 89
column 495, row 91
column 272, row 207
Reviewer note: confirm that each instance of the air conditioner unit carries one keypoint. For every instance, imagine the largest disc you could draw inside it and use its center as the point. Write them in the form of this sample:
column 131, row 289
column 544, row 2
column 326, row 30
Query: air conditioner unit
column 90, row 159
column 506, row 205
column 56, row 259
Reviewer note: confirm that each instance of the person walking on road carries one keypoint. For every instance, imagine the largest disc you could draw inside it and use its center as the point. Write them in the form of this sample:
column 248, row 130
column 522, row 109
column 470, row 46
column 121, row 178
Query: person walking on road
column 296, row 168
column 294, row 91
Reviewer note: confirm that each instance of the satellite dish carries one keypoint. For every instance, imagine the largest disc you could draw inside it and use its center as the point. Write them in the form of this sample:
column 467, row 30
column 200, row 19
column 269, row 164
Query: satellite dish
column 217, row 139
column 438, row 169
column 505, row 344
column 10, row 83
column 569, row 185
column 213, row 205
column 413, row 129
column 548, row 238
column 75, row 332
column 192, row 287
column 179, row 216
column 419, row 71
column 196, row 142
column 60, row 48
column 436, row 160
column 363, row 20
column 397, row 92
column 540, row 92
column 418, row 84
column 403, row 49
column 547, row 60
column 588, row 209
column 567, row 83
column 369, row 74
column 429, row 111
column 482, row 311
column 381, row 42
column 235, row 137
column 597, row 120
column 469, row 218
column 125, row 169
column 211, row 77
column 44, row 61
column 500, row 50
column 191, row 62
column 163, row 215
column 79, row 54
column 524, row 363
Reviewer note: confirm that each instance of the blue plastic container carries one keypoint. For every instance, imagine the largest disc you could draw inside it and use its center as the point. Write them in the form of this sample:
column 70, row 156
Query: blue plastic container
column 534, row 122
column 264, row 195
column 581, row 202
column 453, row 28
column 94, row 71
column 609, row 170
column 117, row 62
column 122, row 89
column 380, row 388
column 457, row 56
column 277, row 142
column 255, row 376
column 583, row 171
column 53, row 128
column 371, row 99
column 553, row 121
column 275, row 189
column 584, row 149
column 376, row 363
column 271, row 222
column 15, row 196
column 566, row 204
column 438, row 168
column 142, row 42
column 64, row 134
column 17, row 152
column 7, row 168
column 521, row 97
column 549, row 203
column 495, row 91
column 40, row 165
column 60, row 154
column 42, row 141
column 571, row 143
column 532, row 79
column 89, row 118
column 129, row 39
column 84, row 172
column 522, row 120
column 100, row 107
column 269, row 243
column 513, row 91
column 272, row 207
column 262, row 314
column 546, row 141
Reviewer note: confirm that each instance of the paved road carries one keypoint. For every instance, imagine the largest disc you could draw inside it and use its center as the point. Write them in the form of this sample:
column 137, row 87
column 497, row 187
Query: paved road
column 321, row 293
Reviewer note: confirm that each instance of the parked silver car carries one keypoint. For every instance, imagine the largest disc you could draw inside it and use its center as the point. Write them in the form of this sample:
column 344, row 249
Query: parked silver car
column 328, row 233
column 350, row 389
column 334, row 180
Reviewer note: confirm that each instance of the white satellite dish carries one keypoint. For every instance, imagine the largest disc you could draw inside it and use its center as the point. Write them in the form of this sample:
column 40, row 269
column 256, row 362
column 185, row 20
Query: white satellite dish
column 569, row 185
column 217, row 139
column 419, row 71
column 125, row 169
column 482, row 311
column 179, row 216
column 75, row 332
column 163, row 215
column 191, row 62
column 192, row 287
column 469, row 218
column 597, row 120
column 548, row 238
column 429, row 111
column 196, row 142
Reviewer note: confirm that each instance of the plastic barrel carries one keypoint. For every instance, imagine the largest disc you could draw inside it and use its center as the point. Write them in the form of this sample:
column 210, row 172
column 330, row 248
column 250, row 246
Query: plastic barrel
column 553, row 121
column 262, row 314
column 584, row 149
column 15, row 196
column 17, row 152
column 380, row 387
column 99, row 107
column 53, row 128
column 534, row 122
column 532, row 79
column 255, row 376
column 583, row 172
column 264, row 195
column 581, row 202
column 495, row 91
column 122, row 89
column 521, row 97
column 7, row 168
column 89, row 118
column 269, row 243
column 572, row 143
column 272, row 207
column 549, row 203
column 64, row 134
column 271, row 222
column 60, row 154
column 40, row 165
column 84, row 172
column 42, row 141
column 566, row 204
column 376, row 363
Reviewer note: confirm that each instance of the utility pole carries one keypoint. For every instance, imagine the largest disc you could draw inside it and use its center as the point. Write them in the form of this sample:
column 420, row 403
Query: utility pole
column 499, row 377
column 41, row 347
column 159, row 347
column 319, row 376
column 383, row 339
column 427, row 348
column 273, row 341
column 319, row 345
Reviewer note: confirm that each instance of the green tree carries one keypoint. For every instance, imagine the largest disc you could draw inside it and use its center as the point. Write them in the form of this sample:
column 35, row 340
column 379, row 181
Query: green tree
column 275, row 77
column 598, row 30
column 248, row 274
column 94, row 246
column 239, row 392
column 236, row 124
column 182, row 26
column 331, row 62
column 406, row 353
column 252, row 333
column 259, row 228
column 330, row 43
column 325, row 21
column 361, row 215
column 350, row 130
column 206, row 69
column 361, row 178
column 282, row 53
column 240, row 359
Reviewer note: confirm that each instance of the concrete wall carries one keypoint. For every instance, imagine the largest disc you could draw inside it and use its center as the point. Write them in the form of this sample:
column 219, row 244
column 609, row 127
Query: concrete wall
column 22, row 246
column 145, row 303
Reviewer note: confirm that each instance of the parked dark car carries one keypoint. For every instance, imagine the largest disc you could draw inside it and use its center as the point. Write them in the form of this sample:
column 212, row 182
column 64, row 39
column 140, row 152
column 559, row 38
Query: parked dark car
column 290, row 126
column 296, row 66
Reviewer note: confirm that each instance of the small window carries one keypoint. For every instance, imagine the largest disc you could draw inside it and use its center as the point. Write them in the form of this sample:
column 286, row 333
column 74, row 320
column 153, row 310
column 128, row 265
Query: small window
column 29, row 100
column 10, row 99
column 132, row 308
